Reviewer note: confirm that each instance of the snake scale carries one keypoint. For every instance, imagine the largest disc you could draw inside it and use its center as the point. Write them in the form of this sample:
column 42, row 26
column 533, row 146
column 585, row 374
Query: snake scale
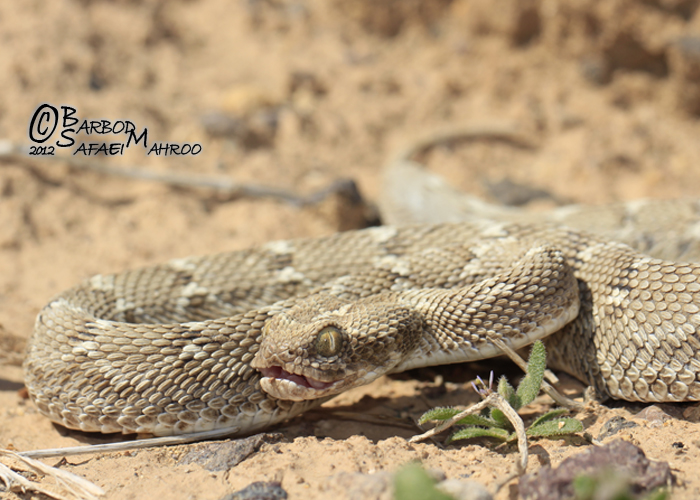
column 245, row 339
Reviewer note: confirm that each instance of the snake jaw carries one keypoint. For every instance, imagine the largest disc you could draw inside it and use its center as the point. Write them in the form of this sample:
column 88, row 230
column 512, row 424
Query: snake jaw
column 283, row 384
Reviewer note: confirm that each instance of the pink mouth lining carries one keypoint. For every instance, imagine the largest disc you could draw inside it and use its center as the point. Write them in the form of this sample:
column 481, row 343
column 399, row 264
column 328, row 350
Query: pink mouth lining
column 279, row 373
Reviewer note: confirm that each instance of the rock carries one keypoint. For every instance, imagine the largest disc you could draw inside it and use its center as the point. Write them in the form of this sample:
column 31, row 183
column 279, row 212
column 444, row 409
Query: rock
column 620, row 458
column 654, row 415
column 259, row 491
column 613, row 426
column 221, row 456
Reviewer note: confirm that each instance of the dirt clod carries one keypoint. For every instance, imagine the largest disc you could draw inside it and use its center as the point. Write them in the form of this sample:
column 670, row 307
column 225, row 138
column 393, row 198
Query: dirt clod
column 618, row 458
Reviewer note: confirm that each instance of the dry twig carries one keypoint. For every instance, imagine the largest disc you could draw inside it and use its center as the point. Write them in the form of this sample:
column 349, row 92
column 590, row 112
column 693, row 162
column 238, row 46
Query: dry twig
column 68, row 485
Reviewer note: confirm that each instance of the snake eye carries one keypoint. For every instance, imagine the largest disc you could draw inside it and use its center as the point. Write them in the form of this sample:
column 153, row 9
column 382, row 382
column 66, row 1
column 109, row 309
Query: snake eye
column 329, row 341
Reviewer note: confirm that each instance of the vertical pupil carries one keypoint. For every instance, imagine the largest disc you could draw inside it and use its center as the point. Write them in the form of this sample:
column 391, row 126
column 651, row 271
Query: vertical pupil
column 327, row 342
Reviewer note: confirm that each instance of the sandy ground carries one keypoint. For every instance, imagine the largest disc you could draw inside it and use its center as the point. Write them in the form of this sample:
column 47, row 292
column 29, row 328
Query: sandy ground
column 295, row 95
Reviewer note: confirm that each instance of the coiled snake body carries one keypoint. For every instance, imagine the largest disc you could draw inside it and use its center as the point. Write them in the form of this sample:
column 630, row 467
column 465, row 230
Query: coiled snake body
column 242, row 340
column 245, row 339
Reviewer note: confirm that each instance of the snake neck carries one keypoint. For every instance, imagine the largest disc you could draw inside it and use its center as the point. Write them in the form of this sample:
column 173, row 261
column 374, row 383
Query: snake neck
column 533, row 299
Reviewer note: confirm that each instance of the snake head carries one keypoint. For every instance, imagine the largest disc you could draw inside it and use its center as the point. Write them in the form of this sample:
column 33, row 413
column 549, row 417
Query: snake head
column 324, row 345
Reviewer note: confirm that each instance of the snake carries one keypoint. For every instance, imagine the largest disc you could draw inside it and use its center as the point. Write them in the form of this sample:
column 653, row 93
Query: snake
column 243, row 340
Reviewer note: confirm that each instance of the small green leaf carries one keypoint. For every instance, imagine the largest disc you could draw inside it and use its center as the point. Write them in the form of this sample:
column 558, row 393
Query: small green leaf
column 551, row 414
column 585, row 487
column 529, row 386
column 611, row 485
column 500, row 419
column 478, row 420
column 412, row 482
column 659, row 494
column 507, row 392
column 505, row 389
column 439, row 413
column 472, row 432
column 559, row 427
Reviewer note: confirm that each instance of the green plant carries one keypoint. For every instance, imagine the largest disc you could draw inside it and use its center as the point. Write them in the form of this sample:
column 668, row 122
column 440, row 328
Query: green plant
column 492, row 422
column 412, row 482
column 611, row 486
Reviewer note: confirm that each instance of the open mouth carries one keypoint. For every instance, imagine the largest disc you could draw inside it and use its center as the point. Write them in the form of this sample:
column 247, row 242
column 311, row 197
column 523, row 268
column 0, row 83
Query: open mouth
column 280, row 373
